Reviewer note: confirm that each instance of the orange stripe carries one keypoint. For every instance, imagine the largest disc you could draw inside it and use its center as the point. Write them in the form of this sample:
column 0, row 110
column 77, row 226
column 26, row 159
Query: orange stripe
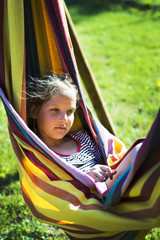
column 55, row 58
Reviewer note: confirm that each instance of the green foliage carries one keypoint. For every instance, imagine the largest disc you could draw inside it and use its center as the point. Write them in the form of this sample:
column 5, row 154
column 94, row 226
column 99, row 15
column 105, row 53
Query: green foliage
column 153, row 235
column 122, row 46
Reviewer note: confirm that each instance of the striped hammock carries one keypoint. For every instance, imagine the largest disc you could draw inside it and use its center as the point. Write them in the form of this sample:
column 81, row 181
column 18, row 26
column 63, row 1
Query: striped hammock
column 34, row 40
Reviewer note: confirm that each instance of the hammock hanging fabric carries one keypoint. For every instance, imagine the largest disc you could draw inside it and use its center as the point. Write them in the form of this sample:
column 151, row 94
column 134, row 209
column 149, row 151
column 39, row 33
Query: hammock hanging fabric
column 34, row 39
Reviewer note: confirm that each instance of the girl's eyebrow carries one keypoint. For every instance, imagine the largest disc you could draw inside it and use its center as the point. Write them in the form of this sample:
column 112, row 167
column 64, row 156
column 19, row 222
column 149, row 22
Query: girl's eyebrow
column 56, row 105
column 52, row 104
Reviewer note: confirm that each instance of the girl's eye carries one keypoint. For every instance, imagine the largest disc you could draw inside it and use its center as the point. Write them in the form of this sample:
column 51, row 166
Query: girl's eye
column 69, row 112
column 54, row 109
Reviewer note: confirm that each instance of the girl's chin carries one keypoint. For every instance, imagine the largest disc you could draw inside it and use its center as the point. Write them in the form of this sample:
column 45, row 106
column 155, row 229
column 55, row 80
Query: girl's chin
column 58, row 137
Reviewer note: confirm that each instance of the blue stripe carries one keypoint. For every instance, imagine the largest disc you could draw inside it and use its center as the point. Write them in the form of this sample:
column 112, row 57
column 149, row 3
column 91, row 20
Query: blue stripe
column 110, row 200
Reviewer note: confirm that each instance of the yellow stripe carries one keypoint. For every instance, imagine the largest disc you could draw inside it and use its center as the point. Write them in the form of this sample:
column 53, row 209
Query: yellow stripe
column 16, row 37
column 6, row 42
column 77, row 125
column 136, row 190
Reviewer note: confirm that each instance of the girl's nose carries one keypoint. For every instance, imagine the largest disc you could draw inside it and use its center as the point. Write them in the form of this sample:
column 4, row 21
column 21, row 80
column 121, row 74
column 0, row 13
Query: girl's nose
column 63, row 116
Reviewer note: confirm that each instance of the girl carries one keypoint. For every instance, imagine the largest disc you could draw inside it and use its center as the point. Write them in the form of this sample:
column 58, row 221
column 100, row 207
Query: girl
column 51, row 103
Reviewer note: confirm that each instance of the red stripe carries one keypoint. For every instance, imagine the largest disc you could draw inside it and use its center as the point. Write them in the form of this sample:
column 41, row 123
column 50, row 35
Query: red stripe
column 30, row 155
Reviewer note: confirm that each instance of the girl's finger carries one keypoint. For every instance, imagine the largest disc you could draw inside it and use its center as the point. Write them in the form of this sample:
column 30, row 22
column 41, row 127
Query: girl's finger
column 111, row 173
column 99, row 179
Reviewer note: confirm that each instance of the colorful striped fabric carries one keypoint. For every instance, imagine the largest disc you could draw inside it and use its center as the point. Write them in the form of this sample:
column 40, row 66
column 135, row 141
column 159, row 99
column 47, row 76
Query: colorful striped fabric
column 34, row 40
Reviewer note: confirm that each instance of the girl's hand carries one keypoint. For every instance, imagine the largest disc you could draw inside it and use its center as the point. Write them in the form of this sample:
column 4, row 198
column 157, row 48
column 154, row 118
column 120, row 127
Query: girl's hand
column 101, row 173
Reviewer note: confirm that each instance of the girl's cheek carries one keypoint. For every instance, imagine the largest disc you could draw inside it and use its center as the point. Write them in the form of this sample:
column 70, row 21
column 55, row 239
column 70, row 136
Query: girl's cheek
column 72, row 119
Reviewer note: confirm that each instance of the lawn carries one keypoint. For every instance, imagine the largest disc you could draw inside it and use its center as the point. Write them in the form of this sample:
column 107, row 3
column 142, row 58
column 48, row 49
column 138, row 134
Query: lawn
column 123, row 49
column 122, row 46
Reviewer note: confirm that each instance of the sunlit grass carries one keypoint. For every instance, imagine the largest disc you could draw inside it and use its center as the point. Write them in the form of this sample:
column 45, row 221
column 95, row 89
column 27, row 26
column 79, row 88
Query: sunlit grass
column 124, row 53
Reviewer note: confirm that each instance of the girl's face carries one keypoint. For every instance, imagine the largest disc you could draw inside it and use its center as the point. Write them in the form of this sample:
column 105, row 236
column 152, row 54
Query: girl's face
column 55, row 118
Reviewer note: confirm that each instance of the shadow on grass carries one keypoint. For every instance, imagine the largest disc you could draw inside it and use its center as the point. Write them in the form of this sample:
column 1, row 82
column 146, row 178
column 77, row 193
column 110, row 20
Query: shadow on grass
column 9, row 178
column 92, row 7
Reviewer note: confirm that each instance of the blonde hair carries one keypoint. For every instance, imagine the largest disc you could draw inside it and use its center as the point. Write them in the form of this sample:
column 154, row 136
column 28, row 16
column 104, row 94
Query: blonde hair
column 39, row 90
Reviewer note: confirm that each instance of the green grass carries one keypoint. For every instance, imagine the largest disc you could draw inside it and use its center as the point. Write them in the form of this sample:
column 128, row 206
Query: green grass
column 124, row 53
column 123, row 48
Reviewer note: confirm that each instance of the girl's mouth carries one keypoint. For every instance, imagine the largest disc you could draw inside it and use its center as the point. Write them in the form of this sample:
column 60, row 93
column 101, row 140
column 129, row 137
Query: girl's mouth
column 61, row 128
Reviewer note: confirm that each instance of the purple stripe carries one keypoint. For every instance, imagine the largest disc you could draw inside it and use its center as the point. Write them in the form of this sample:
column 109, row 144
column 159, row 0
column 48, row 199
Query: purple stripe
column 150, row 144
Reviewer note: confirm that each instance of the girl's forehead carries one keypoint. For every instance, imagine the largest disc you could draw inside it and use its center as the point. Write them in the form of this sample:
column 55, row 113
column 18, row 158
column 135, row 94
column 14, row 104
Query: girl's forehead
column 68, row 94
column 65, row 97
